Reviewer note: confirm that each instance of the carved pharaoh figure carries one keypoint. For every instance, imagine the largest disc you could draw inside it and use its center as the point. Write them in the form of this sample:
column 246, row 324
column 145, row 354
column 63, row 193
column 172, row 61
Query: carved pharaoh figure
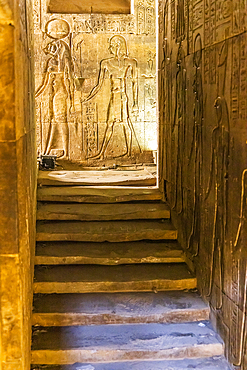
column 219, row 178
column 196, row 146
column 58, row 84
column 118, row 67
column 179, row 128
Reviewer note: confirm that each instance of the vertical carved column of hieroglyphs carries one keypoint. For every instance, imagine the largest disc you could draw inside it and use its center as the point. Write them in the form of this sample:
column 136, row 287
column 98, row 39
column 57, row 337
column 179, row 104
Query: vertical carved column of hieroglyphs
column 91, row 129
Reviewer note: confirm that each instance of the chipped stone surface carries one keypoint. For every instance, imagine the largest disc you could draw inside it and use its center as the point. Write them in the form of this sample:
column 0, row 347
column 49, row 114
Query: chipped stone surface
column 108, row 177
column 61, row 253
column 124, row 342
column 97, row 194
column 117, row 231
column 126, row 278
column 98, row 309
column 102, row 212
column 213, row 363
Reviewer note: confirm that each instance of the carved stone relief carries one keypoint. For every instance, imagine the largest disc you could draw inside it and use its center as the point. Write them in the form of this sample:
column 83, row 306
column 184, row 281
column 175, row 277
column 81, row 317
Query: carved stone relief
column 196, row 151
column 202, row 100
column 114, row 58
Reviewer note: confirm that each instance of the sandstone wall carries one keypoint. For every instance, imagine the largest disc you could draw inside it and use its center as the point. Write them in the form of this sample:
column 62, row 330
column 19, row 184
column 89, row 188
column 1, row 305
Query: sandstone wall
column 71, row 123
column 203, row 116
column 17, row 183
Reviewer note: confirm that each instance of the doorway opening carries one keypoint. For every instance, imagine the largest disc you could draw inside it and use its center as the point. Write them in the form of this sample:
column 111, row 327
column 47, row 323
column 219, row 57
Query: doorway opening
column 96, row 95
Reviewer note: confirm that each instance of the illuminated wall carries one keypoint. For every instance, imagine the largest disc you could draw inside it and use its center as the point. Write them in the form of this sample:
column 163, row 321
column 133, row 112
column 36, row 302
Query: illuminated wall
column 116, row 56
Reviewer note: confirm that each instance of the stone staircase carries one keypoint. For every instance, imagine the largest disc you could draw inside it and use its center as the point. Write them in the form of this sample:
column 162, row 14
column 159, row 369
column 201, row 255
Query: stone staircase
column 111, row 287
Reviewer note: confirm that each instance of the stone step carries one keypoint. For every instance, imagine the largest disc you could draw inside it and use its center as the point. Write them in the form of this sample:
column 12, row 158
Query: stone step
column 96, row 231
column 116, row 343
column 212, row 363
column 102, row 212
column 99, row 194
column 107, row 177
column 124, row 308
column 56, row 253
column 103, row 279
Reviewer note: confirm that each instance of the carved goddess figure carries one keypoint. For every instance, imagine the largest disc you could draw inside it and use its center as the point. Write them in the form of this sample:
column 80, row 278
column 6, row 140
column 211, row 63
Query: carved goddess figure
column 59, row 83
column 118, row 67
column 196, row 146
column 219, row 177
column 179, row 129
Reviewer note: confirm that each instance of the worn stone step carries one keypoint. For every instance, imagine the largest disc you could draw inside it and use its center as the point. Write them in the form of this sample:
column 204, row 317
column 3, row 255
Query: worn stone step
column 212, row 363
column 96, row 231
column 109, row 177
column 102, row 212
column 55, row 253
column 99, row 194
column 112, row 343
column 124, row 308
column 103, row 279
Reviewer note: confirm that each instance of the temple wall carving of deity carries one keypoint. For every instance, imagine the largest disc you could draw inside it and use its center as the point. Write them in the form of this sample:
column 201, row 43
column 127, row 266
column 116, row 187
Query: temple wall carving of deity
column 96, row 85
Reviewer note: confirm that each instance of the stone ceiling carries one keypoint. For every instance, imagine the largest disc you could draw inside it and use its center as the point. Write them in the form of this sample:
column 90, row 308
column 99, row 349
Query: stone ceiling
column 90, row 6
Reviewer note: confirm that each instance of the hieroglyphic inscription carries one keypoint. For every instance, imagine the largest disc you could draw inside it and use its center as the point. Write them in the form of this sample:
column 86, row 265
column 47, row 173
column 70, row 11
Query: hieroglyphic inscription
column 224, row 85
column 236, row 16
column 102, row 25
column 150, row 17
column 91, row 129
column 223, row 19
column 235, row 79
column 67, row 67
column 212, row 21
column 239, row 77
column 206, row 65
column 212, row 65
column 190, row 20
column 180, row 21
column 145, row 19
column 243, row 77
column 141, row 19
column 197, row 15
column 207, row 22
column 173, row 19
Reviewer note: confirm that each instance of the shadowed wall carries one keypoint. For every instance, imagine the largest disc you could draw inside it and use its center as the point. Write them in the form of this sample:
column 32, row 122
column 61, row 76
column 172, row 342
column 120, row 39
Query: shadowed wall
column 17, row 183
column 203, row 112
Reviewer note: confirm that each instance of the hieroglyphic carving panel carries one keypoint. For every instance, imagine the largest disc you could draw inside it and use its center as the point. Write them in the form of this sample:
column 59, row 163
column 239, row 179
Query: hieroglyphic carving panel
column 205, row 154
column 114, row 55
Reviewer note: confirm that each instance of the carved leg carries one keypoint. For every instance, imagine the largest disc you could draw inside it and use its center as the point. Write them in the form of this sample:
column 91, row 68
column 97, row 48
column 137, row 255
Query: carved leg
column 106, row 140
column 65, row 139
column 50, row 138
